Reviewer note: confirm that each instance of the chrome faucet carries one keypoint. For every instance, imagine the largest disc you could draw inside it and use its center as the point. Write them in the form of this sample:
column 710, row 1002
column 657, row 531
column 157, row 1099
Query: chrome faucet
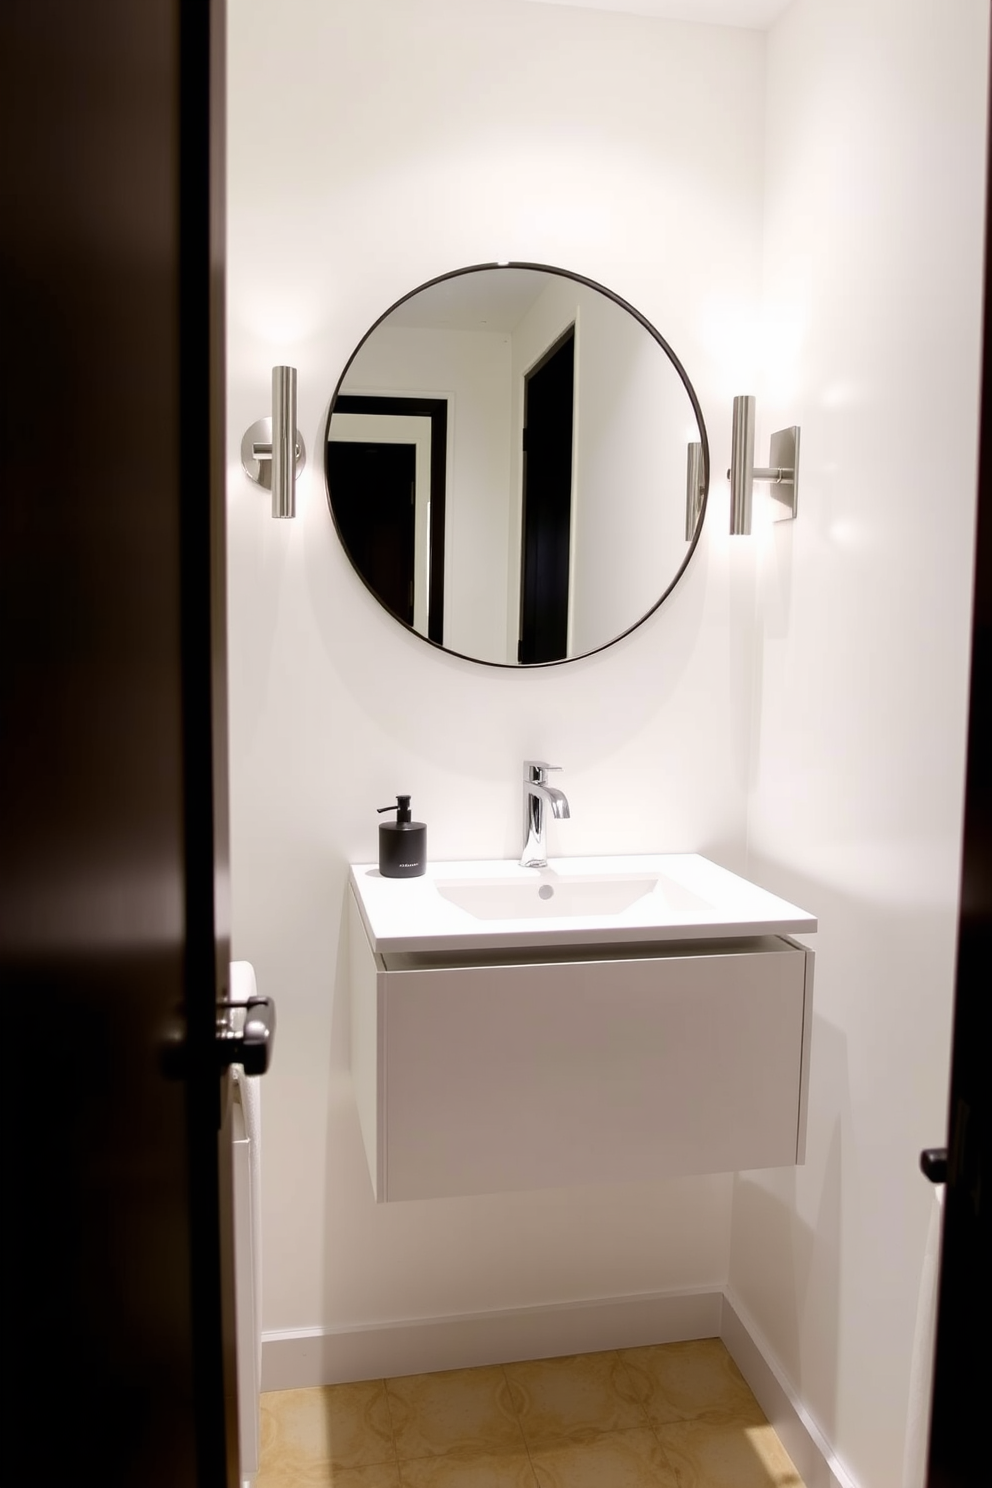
column 537, row 795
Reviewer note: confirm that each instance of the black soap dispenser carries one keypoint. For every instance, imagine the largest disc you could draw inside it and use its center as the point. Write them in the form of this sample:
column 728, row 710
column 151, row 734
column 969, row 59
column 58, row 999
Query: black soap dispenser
column 402, row 843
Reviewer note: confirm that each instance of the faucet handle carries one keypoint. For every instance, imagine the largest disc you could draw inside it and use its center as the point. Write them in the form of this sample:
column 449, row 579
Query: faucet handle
column 535, row 770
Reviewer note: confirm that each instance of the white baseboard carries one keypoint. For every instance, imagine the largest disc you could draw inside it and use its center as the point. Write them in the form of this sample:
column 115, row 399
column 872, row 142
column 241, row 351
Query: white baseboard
column 304, row 1357
column 313, row 1356
column 817, row 1463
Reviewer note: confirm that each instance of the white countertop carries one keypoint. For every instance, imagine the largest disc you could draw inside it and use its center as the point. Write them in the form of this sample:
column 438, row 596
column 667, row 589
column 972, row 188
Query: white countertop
column 675, row 896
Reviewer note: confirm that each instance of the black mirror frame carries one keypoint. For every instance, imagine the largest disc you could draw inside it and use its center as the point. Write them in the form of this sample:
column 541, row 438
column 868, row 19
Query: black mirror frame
column 515, row 666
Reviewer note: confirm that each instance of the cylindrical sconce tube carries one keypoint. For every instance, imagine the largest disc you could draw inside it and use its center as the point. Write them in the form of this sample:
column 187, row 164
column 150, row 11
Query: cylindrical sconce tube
column 284, row 441
column 742, row 466
column 693, row 489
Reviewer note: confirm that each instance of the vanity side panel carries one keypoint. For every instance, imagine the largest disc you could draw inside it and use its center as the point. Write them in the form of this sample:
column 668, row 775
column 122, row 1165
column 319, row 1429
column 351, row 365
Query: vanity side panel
column 807, row 1041
column 504, row 1078
column 365, row 1042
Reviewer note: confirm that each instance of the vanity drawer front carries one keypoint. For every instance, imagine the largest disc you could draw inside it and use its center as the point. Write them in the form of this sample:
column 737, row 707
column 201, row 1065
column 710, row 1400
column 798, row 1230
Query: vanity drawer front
column 498, row 1077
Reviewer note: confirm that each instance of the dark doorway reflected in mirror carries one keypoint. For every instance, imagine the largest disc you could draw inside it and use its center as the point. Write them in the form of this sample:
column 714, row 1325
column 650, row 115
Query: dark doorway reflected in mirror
column 549, row 395
column 375, row 502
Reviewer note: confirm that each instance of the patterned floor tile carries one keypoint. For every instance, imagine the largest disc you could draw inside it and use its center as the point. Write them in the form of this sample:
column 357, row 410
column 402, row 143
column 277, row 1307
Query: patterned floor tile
column 670, row 1416
column 337, row 1426
column 584, row 1393
column 706, row 1456
column 467, row 1470
column 611, row 1459
column 696, row 1381
column 457, row 1410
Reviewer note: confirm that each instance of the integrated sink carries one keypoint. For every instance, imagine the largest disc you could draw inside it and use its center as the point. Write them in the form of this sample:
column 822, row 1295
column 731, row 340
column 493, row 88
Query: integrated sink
column 550, row 896
column 573, row 901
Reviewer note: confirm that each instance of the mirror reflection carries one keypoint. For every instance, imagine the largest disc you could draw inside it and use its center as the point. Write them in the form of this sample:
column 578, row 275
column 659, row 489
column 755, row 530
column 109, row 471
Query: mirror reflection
column 507, row 456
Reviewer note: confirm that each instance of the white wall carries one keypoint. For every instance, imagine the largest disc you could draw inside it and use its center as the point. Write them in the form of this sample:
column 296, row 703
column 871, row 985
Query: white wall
column 873, row 236
column 373, row 146
column 635, row 422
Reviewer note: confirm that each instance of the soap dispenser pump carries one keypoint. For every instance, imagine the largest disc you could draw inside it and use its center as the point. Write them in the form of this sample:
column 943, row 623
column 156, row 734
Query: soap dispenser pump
column 402, row 843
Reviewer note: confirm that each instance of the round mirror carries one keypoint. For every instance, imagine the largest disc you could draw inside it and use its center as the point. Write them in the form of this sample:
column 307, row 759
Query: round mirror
column 516, row 464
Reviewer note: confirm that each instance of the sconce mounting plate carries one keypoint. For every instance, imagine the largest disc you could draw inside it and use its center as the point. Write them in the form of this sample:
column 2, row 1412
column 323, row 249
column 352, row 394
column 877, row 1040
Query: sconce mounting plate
column 784, row 455
column 256, row 453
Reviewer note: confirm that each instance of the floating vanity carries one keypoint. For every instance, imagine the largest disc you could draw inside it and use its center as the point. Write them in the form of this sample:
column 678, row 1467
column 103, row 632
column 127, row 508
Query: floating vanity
column 597, row 1020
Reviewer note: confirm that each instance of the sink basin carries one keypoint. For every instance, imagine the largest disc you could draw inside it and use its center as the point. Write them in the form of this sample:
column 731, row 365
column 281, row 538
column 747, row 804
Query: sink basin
column 551, row 896
column 573, row 901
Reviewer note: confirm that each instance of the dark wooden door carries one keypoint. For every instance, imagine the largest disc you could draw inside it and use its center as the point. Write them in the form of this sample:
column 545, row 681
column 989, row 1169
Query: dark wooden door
column 117, row 1321
column 373, row 494
column 959, row 1449
column 547, row 504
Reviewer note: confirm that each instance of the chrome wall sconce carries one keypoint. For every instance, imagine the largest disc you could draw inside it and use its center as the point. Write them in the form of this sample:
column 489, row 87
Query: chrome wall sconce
column 694, row 488
column 272, row 451
column 782, row 472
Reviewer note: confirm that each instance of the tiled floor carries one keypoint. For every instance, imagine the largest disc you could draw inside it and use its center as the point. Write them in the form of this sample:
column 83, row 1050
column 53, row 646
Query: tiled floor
column 676, row 1415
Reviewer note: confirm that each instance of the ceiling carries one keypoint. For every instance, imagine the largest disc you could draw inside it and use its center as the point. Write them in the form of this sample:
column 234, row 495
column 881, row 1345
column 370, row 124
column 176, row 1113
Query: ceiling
column 757, row 14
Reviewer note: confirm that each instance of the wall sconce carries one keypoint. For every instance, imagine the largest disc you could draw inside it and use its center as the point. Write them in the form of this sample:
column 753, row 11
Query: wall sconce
column 782, row 472
column 694, row 487
column 269, row 456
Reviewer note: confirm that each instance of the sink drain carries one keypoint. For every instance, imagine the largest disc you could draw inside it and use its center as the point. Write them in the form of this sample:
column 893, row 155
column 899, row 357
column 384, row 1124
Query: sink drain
column 546, row 892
